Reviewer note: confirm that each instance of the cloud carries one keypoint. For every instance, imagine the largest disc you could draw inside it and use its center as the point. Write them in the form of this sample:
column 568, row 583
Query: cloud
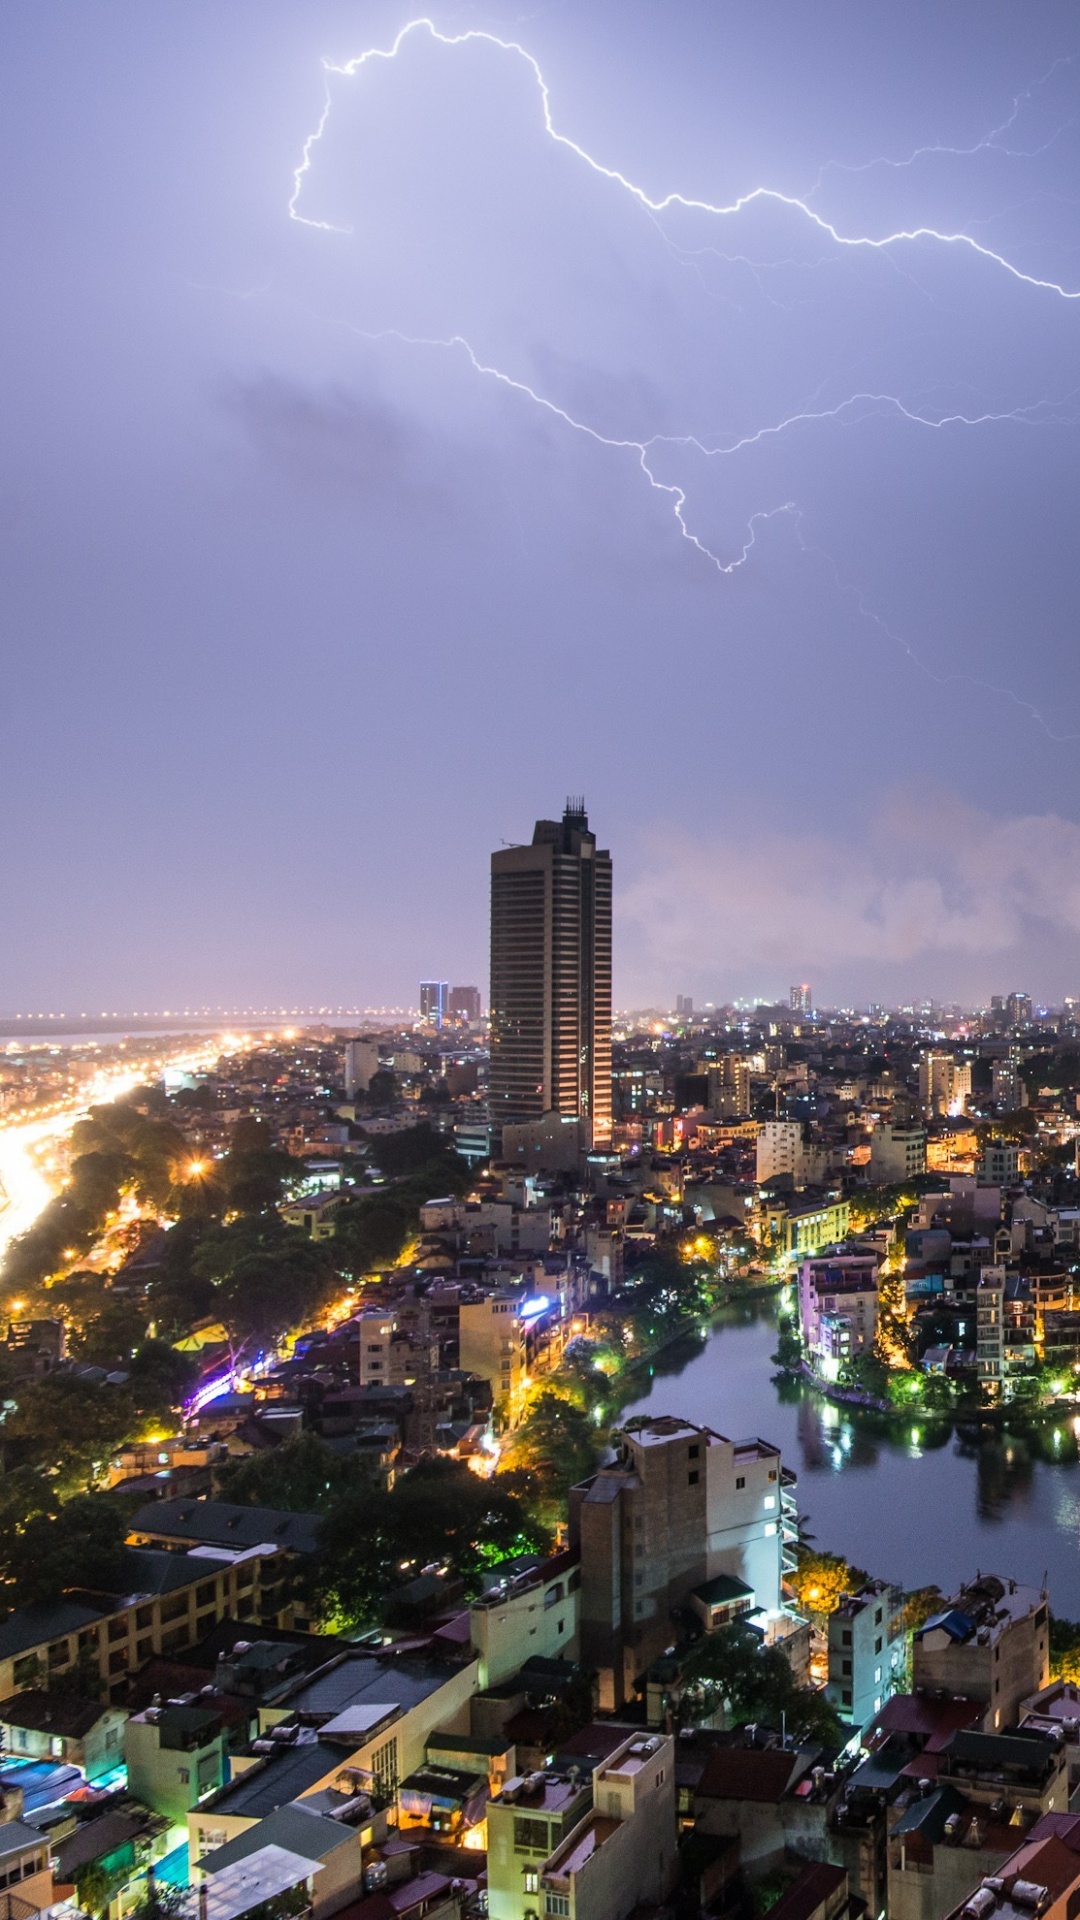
column 928, row 885
column 338, row 443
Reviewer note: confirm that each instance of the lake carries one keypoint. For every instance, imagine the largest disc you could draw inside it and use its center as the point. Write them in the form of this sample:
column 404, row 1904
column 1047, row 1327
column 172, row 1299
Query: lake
column 919, row 1502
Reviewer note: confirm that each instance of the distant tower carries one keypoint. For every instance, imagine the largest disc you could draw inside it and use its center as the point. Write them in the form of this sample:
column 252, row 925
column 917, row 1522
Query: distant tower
column 551, row 976
column 800, row 999
column 464, row 1004
column 433, row 997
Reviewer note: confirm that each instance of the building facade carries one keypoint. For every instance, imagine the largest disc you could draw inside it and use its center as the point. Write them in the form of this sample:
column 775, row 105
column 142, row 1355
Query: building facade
column 551, row 976
column 679, row 1506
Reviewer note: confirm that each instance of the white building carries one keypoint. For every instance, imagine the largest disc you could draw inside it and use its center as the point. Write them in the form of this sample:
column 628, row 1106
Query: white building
column 896, row 1154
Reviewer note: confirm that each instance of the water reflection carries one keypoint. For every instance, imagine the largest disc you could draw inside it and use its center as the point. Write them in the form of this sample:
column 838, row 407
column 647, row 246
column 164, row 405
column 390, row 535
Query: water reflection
column 928, row 1500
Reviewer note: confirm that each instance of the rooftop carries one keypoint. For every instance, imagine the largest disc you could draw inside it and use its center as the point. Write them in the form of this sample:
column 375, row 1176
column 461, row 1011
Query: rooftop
column 298, row 1829
column 580, row 1847
column 221, row 1524
column 64, row 1715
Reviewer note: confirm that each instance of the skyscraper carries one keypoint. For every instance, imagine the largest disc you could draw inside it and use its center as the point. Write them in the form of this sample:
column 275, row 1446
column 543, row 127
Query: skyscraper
column 433, row 996
column 551, row 976
column 800, row 999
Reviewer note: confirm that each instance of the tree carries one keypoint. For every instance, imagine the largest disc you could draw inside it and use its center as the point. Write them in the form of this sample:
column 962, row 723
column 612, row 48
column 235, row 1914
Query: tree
column 894, row 1338
column 370, row 1233
column 159, row 1377
column 555, row 1447
column 81, row 1545
column 268, row 1278
column 110, row 1337
column 303, row 1475
column 820, row 1581
column 438, row 1514
column 732, row 1668
column 95, row 1886
column 68, row 1427
column 382, row 1088
column 1064, row 1649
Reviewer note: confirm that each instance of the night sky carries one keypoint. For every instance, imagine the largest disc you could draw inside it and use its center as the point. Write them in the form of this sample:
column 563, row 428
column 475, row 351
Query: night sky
column 306, row 607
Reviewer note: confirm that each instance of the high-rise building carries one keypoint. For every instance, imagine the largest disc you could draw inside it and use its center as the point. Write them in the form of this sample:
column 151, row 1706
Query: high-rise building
column 433, row 998
column 464, row 1004
column 684, row 1006
column 551, row 976
column 1018, row 1009
column 361, row 1063
column 944, row 1084
column 800, row 999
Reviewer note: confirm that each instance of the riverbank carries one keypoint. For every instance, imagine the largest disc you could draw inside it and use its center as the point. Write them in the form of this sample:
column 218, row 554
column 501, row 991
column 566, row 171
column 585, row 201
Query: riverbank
column 1012, row 1414
column 868, row 1482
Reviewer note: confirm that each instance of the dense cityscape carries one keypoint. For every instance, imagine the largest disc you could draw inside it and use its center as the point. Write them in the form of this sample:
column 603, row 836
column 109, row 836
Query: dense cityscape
column 363, row 1553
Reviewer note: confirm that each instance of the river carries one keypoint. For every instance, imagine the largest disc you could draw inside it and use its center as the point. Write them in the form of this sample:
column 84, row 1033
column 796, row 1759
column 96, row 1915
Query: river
column 918, row 1503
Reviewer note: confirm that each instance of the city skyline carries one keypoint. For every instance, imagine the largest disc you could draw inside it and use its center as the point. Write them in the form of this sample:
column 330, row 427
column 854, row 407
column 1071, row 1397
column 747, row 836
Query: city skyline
column 750, row 517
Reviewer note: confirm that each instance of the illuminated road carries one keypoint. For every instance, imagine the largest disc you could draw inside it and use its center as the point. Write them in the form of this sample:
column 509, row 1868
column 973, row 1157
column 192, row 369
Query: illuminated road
column 27, row 1178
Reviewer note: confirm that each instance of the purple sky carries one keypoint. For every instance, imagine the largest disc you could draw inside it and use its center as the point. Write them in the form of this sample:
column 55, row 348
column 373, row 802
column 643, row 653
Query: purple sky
column 300, row 619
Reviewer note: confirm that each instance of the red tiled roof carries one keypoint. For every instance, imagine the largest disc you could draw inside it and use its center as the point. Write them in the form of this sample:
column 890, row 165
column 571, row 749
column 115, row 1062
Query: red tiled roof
column 741, row 1773
column 810, row 1891
column 920, row 1714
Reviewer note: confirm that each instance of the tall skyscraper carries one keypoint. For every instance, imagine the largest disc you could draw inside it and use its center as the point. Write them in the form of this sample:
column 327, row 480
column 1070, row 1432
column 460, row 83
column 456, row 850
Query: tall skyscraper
column 551, row 976
column 800, row 999
column 433, row 997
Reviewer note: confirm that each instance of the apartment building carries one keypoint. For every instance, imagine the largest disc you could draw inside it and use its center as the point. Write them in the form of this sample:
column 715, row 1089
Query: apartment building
column 492, row 1334
column 586, row 1844
column 896, row 1154
column 623, row 1855
column 175, row 1756
column 867, row 1646
column 171, row 1601
column 1006, row 1330
column 1041, row 1876
column 990, row 1644
column 680, row 1505
column 837, row 1309
column 962, row 1827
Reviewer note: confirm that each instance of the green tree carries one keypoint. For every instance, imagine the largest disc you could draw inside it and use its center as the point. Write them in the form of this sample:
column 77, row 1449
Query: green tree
column 68, row 1428
column 303, row 1475
column 159, row 1377
column 554, row 1447
column 95, row 1887
column 731, row 1668
column 81, row 1545
column 438, row 1514
column 110, row 1337
column 371, row 1233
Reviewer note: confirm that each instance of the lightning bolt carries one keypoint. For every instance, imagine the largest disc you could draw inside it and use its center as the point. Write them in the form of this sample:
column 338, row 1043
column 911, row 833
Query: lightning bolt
column 854, row 408
column 687, row 202
column 989, row 142
column 641, row 449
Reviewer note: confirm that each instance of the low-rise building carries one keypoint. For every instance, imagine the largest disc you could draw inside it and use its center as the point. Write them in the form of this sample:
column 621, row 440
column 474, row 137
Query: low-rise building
column 897, row 1154
column 528, row 1614
column 175, row 1757
column 60, row 1726
column 26, row 1873
column 837, row 1309
column 492, row 1336
column 623, row 1854
column 991, row 1643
